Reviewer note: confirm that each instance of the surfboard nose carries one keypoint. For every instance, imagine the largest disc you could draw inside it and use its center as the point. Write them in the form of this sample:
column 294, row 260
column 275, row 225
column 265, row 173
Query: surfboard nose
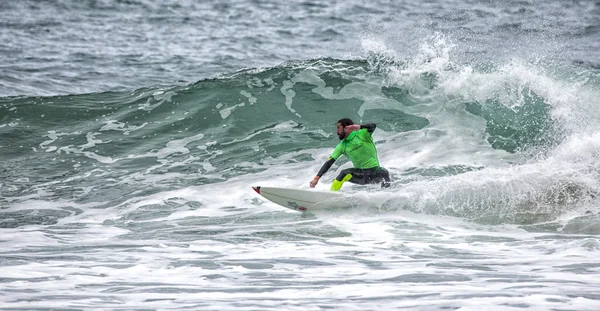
column 257, row 189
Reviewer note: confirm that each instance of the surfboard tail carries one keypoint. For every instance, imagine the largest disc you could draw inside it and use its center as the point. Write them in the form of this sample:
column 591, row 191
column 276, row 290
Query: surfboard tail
column 257, row 189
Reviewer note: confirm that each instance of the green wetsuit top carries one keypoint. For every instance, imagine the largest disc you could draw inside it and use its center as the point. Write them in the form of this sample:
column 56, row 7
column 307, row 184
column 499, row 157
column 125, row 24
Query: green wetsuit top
column 358, row 147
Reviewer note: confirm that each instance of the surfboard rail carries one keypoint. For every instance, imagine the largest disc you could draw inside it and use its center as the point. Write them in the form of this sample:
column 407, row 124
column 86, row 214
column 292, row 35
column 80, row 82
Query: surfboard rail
column 302, row 200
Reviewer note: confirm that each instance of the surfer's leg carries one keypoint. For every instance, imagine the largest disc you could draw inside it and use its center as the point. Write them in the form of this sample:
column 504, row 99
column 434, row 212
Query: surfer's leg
column 343, row 176
column 384, row 176
column 374, row 175
column 361, row 177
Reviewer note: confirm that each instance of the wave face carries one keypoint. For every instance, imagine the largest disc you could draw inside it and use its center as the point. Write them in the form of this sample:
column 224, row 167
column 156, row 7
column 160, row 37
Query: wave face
column 497, row 141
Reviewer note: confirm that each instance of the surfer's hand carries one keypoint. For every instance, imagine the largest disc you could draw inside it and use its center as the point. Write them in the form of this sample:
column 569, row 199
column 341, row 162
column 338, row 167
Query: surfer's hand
column 351, row 128
column 314, row 182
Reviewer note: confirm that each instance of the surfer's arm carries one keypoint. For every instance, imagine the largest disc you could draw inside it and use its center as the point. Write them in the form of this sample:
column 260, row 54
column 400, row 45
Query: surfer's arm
column 325, row 167
column 337, row 152
column 322, row 171
column 369, row 126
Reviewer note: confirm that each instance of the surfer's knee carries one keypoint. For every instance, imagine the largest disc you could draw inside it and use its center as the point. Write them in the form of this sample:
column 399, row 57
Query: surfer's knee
column 337, row 184
column 343, row 174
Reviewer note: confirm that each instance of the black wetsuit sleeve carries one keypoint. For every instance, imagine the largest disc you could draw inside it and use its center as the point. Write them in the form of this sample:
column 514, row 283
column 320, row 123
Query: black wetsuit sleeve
column 369, row 126
column 325, row 167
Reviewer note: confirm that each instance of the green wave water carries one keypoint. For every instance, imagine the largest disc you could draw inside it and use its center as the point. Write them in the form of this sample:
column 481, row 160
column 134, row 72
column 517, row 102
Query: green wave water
column 103, row 149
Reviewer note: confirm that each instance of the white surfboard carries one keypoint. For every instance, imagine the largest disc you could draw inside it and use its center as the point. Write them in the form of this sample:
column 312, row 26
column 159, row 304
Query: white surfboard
column 304, row 200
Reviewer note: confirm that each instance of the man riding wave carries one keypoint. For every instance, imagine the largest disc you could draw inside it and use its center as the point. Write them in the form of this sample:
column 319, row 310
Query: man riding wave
column 357, row 145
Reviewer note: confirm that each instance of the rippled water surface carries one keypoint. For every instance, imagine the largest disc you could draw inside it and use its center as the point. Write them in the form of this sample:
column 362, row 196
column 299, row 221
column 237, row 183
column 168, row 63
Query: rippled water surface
column 131, row 133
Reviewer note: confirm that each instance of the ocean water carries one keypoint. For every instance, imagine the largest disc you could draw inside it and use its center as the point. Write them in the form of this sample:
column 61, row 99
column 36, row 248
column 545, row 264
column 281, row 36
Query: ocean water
column 131, row 133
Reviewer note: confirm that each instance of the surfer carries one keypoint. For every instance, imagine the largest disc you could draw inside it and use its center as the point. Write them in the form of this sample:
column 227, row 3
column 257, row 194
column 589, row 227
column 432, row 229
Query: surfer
column 356, row 144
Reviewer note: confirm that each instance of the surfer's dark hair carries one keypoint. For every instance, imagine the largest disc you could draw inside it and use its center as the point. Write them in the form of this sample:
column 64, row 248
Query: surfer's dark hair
column 345, row 122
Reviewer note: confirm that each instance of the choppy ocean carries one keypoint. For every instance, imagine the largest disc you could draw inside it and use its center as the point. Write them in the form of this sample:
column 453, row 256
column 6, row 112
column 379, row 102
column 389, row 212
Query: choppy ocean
column 131, row 132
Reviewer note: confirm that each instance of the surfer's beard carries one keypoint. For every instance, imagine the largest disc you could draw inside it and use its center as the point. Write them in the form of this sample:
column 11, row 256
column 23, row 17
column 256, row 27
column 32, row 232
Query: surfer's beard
column 341, row 136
